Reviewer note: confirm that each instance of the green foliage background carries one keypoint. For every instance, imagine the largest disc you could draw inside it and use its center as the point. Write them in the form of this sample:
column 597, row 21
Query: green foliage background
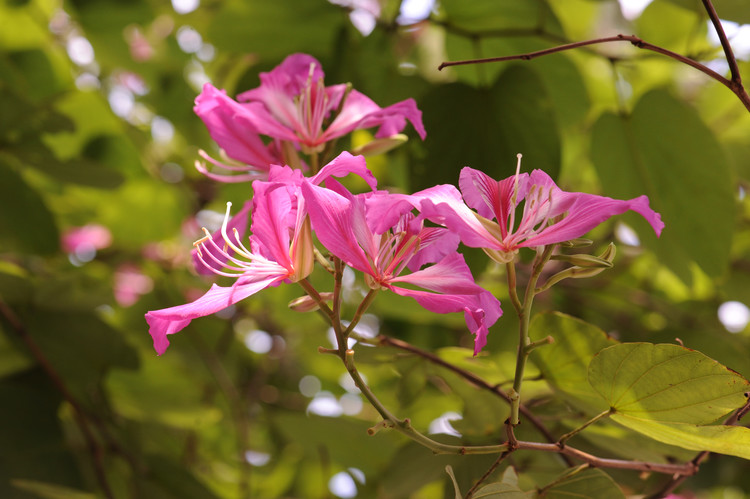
column 609, row 119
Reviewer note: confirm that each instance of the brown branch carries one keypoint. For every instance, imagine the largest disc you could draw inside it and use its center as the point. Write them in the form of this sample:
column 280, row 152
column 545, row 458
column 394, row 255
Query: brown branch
column 471, row 378
column 79, row 415
column 724, row 42
column 734, row 85
column 689, row 468
column 487, row 474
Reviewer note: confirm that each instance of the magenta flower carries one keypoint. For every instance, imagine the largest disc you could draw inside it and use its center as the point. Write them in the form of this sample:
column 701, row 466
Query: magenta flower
column 351, row 228
column 293, row 104
column 280, row 248
column 550, row 215
column 247, row 156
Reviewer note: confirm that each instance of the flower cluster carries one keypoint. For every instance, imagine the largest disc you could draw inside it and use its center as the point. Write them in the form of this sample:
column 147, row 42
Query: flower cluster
column 404, row 243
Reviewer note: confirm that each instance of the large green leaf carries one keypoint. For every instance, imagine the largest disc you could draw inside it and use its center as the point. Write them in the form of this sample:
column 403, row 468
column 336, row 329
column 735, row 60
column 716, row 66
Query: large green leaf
column 514, row 116
column 590, row 484
column 665, row 151
column 481, row 15
column 278, row 28
column 26, row 223
column 564, row 363
column 667, row 383
column 731, row 440
column 730, row 10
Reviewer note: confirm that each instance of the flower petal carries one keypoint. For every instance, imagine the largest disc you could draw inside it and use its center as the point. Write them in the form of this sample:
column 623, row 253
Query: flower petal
column 172, row 320
column 359, row 111
column 337, row 225
column 589, row 210
column 237, row 137
column 452, row 213
column 344, row 164
column 490, row 198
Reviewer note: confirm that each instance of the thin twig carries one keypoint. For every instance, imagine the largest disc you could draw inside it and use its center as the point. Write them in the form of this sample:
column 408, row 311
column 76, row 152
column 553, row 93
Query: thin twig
column 487, row 474
column 79, row 415
column 731, row 60
column 471, row 378
column 734, row 85
column 688, row 468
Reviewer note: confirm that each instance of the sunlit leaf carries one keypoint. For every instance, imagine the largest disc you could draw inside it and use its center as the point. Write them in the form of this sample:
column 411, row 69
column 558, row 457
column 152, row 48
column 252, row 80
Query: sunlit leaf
column 564, row 363
column 731, row 440
column 589, row 484
column 666, row 383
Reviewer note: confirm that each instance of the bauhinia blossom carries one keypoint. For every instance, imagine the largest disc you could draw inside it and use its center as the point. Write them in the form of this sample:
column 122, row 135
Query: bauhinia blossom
column 293, row 104
column 550, row 215
column 280, row 248
column 247, row 156
column 385, row 247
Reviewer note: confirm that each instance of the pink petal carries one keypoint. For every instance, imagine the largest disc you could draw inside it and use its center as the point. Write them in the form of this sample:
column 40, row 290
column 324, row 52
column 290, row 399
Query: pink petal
column 480, row 311
column 392, row 119
column 435, row 244
column 344, row 164
column 457, row 217
column 236, row 136
column 490, row 198
column 333, row 220
column 172, row 320
column 589, row 210
column 274, row 215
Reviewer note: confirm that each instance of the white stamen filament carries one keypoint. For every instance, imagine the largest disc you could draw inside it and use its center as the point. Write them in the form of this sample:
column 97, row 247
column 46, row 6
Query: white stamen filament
column 224, row 231
column 514, row 197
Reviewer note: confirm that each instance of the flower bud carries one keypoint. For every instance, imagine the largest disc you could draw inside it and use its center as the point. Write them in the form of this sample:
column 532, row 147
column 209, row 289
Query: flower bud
column 303, row 251
column 307, row 303
column 380, row 146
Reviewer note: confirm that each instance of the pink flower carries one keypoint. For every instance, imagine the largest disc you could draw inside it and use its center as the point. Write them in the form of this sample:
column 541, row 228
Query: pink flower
column 280, row 248
column 293, row 104
column 550, row 215
column 352, row 228
column 129, row 284
column 229, row 123
column 86, row 239
column 341, row 166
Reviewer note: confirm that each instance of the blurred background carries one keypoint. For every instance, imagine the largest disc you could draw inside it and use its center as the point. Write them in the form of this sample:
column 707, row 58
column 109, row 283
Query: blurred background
column 100, row 202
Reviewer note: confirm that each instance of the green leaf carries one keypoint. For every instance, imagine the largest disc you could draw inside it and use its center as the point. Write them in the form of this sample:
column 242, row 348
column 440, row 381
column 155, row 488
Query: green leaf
column 26, row 223
column 730, row 440
column 564, row 363
column 668, row 383
column 25, row 26
column 590, row 483
column 32, row 444
column 169, row 397
column 640, row 155
column 514, row 116
column 167, row 479
column 449, row 470
column 79, row 345
column 506, row 488
column 51, row 490
column 729, row 10
column 481, row 15
column 500, row 491
column 526, row 119
column 303, row 23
